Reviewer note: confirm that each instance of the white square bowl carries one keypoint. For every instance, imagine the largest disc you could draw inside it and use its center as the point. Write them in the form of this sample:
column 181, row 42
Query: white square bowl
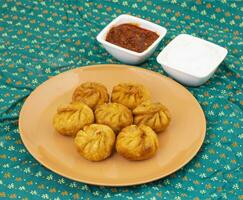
column 125, row 55
column 191, row 60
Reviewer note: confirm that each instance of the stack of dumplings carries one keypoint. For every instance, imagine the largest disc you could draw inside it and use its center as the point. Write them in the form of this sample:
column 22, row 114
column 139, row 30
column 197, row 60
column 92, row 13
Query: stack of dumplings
column 129, row 123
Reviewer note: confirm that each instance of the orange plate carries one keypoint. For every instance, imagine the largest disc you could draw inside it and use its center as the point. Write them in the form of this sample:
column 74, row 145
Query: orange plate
column 178, row 144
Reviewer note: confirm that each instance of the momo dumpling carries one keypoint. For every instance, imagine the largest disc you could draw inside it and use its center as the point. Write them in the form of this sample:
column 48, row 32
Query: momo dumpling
column 116, row 116
column 95, row 142
column 154, row 115
column 130, row 95
column 91, row 93
column 71, row 118
column 137, row 142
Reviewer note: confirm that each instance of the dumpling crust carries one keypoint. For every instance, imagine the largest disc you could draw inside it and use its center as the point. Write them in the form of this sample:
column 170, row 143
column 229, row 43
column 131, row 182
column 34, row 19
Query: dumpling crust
column 71, row 118
column 95, row 142
column 115, row 115
column 137, row 142
column 91, row 93
column 154, row 115
column 129, row 94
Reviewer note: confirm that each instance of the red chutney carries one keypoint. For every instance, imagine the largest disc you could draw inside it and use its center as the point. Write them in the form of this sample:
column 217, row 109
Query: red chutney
column 131, row 37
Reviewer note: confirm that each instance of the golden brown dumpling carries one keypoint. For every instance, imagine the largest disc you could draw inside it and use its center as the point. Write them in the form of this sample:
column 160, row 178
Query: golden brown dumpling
column 137, row 142
column 154, row 115
column 95, row 142
column 115, row 115
column 71, row 118
column 130, row 95
column 91, row 93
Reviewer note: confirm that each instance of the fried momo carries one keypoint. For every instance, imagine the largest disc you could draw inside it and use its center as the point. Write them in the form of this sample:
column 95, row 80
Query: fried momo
column 71, row 118
column 137, row 142
column 91, row 93
column 95, row 142
column 130, row 95
column 154, row 115
column 116, row 116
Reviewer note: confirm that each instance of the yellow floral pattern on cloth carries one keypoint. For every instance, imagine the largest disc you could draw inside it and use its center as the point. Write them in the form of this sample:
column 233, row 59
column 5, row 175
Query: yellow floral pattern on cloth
column 39, row 39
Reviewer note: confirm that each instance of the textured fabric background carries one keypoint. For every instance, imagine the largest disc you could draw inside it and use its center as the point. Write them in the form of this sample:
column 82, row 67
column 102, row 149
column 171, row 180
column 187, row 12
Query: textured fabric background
column 39, row 39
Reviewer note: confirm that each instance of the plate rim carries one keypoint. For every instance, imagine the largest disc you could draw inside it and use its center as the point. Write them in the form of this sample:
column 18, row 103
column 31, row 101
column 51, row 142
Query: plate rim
column 100, row 183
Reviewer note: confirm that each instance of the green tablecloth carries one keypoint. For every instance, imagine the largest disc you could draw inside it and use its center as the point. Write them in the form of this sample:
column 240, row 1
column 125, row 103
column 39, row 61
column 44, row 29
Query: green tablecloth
column 39, row 39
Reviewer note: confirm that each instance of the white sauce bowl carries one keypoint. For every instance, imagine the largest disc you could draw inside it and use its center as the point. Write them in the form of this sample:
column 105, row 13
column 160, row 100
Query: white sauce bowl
column 191, row 60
